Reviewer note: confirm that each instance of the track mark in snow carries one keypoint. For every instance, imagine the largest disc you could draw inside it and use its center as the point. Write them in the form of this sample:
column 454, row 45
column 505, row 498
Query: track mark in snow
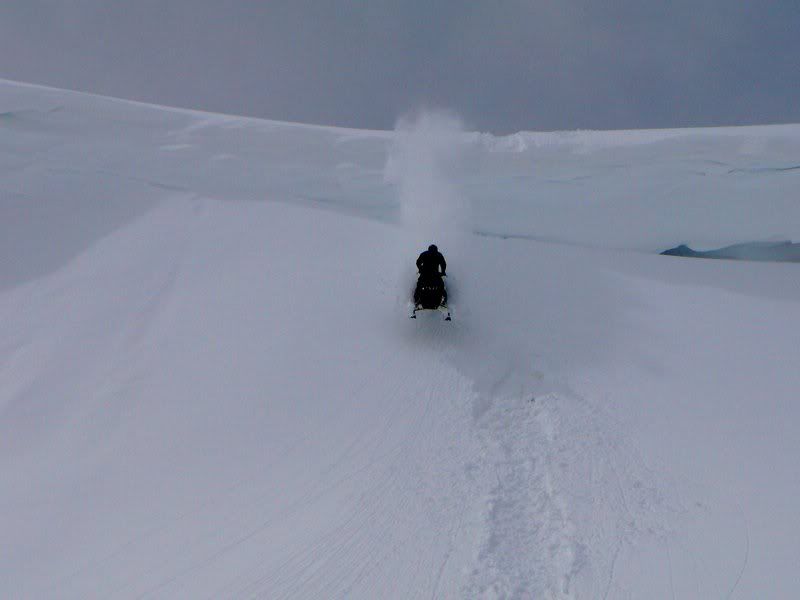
column 528, row 551
column 765, row 169
column 746, row 552
column 569, row 494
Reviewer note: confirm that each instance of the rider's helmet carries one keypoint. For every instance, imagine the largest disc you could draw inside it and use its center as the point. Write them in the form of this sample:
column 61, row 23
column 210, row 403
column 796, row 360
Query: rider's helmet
column 433, row 248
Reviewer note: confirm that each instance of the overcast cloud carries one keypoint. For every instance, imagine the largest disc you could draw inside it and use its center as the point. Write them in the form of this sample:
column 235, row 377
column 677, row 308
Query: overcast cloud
column 504, row 65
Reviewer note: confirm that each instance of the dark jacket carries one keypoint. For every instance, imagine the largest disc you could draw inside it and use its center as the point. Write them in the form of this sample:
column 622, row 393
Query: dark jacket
column 429, row 262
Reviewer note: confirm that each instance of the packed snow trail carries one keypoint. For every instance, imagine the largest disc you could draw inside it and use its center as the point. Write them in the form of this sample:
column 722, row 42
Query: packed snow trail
column 209, row 386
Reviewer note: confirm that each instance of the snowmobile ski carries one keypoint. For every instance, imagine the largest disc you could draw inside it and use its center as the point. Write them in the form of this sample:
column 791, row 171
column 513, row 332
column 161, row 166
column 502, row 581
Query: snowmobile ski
column 445, row 311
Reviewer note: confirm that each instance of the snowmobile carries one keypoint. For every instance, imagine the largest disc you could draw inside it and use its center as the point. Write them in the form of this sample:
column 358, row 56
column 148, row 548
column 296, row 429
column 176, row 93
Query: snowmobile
column 431, row 295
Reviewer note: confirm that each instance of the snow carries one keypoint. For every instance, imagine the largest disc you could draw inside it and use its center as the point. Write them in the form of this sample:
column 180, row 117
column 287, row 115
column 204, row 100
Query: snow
column 209, row 386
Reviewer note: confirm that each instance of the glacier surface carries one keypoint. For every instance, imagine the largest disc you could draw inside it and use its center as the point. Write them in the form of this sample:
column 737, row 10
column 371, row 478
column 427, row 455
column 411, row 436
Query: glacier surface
column 209, row 387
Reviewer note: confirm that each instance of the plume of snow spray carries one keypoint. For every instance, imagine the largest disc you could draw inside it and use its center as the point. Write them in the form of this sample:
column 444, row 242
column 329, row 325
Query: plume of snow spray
column 424, row 165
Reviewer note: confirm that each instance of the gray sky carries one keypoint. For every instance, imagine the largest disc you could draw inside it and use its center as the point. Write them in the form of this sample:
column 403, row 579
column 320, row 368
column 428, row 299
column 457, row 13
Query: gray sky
column 504, row 65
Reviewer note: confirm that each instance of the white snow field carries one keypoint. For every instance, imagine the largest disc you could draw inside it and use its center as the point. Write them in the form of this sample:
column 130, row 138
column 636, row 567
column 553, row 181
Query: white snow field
column 209, row 386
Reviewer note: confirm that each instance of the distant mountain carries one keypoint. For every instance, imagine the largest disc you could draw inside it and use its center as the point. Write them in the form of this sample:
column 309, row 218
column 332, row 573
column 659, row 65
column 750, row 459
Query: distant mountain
column 764, row 251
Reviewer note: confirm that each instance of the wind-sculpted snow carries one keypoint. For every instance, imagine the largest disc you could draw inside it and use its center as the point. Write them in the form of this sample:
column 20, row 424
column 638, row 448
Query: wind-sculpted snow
column 209, row 387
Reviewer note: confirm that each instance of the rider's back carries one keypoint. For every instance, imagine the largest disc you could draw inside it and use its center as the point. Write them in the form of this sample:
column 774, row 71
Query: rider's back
column 429, row 263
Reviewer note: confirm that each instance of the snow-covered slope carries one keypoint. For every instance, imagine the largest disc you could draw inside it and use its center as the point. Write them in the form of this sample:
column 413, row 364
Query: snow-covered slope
column 209, row 386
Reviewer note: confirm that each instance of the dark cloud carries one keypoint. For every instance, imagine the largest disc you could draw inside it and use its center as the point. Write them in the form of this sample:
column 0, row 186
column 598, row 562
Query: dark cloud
column 505, row 66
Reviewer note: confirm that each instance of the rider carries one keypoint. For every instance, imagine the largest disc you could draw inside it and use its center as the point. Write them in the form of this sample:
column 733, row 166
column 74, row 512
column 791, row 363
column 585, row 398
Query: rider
column 429, row 262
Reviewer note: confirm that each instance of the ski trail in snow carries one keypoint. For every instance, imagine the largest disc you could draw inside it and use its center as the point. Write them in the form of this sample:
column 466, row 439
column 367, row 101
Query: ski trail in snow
column 746, row 558
column 569, row 493
column 527, row 550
